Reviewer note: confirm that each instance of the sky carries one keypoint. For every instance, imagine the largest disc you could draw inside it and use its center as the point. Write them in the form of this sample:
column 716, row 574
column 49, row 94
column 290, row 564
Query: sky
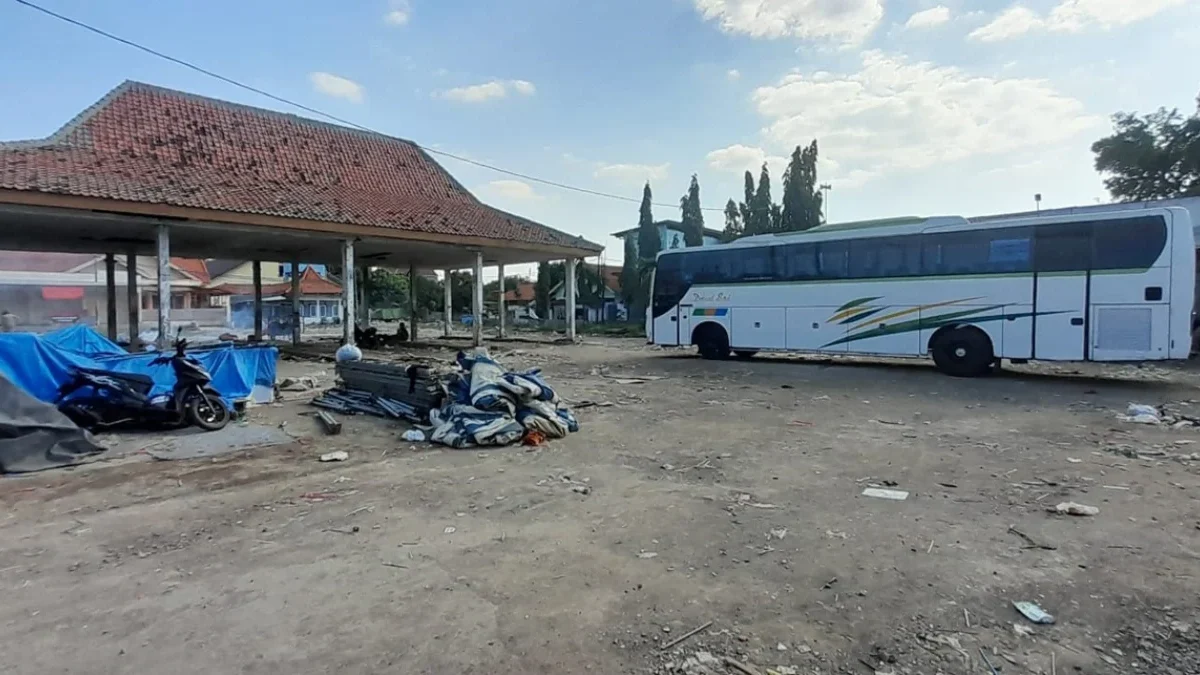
column 919, row 107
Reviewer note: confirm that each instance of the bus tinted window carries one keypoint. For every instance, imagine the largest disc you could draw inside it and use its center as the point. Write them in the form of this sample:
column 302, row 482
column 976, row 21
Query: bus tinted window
column 669, row 284
column 832, row 259
column 890, row 257
column 1007, row 250
column 796, row 262
column 1129, row 243
column 1063, row 248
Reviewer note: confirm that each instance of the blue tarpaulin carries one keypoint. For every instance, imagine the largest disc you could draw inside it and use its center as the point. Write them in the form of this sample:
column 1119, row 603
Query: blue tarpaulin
column 41, row 364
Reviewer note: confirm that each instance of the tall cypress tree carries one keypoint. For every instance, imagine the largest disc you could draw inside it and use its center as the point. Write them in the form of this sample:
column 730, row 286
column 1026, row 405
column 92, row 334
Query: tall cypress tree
column 629, row 272
column 691, row 217
column 733, row 222
column 759, row 221
column 801, row 198
column 649, row 242
column 747, row 199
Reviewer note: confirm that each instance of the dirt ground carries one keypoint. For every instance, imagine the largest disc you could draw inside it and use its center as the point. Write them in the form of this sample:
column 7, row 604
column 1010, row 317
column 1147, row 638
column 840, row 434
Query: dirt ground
column 725, row 492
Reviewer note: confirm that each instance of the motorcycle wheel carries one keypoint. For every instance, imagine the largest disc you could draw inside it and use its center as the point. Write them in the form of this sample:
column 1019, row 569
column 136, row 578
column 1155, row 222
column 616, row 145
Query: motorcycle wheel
column 207, row 412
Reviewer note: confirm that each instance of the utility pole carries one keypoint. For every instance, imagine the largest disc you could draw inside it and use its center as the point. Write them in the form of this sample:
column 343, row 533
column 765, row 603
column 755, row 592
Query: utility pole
column 825, row 188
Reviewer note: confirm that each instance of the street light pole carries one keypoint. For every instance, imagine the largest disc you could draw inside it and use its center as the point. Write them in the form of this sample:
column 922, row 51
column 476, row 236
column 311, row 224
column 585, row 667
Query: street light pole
column 825, row 188
column 1037, row 202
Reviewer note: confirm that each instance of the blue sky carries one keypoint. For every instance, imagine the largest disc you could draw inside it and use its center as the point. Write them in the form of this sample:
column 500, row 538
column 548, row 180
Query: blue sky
column 920, row 107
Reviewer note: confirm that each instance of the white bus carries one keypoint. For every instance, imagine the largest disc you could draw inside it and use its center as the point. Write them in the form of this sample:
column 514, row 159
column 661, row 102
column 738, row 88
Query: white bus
column 1097, row 287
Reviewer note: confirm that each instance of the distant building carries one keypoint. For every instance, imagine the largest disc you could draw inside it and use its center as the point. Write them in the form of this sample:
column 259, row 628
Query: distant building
column 670, row 235
column 521, row 302
column 610, row 306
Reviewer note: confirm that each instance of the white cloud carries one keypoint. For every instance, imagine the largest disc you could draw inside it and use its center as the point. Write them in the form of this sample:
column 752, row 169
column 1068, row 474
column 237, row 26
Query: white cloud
column 934, row 16
column 844, row 21
column 740, row 158
column 512, row 189
column 633, row 174
column 733, row 74
column 338, row 87
column 399, row 14
column 478, row 93
column 1070, row 16
column 523, row 87
column 893, row 115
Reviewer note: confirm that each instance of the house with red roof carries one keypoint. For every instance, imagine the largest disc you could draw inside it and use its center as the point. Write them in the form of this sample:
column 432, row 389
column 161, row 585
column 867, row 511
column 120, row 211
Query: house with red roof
column 47, row 289
column 521, row 302
column 598, row 291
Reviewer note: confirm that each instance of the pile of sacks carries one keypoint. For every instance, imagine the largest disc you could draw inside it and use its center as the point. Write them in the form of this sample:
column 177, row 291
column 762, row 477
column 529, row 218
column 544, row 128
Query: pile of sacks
column 487, row 405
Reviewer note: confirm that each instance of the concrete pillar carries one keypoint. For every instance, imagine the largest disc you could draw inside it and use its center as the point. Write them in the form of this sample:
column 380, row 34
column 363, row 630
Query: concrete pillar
column 256, row 266
column 164, row 287
column 412, row 302
column 500, row 303
column 447, row 305
column 348, row 292
column 134, row 301
column 570, row 293
column 110, row 295
column 364, row 307
column 297, row 320
column 477, row 301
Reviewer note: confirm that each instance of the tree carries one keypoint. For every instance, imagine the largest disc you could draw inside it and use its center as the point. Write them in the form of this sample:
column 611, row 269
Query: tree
column 1155, row 156
column 649, row 242
column 759, row 220
column 387, row 289
column 675, row 241
column 747, row 199
column 629, row 272
column 733, row 222
column 692, row 218
column 801, row 198
column 541, row 288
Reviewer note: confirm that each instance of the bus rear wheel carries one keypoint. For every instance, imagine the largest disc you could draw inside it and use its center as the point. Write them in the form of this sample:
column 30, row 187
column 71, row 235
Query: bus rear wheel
column 712, row 342
column 963, row 352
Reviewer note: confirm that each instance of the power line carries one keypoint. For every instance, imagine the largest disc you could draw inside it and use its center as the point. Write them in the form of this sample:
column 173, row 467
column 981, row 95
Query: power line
column 339, row 120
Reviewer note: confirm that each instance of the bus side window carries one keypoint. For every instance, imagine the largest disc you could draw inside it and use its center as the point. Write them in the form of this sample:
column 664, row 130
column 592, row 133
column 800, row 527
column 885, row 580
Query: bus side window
column 796, row 262
column 1128, row 243
column 1063, row 248
column 832, row 259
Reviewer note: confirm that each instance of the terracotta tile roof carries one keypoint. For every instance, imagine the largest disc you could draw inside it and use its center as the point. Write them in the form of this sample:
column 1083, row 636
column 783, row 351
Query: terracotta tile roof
column 525, row 292
column 144, row 143
column 27, row 261
column 194, row 267
column 311, row 283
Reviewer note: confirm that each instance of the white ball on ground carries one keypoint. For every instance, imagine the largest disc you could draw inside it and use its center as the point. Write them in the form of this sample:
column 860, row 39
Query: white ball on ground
column 348, row 353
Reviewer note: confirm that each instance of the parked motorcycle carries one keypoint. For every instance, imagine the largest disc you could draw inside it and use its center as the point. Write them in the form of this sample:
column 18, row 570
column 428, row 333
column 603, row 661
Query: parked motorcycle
column 123, row 399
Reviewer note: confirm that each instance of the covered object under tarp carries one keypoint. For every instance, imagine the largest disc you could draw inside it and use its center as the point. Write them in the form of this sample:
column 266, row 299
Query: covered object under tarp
column 40, row 366
column 34, row 435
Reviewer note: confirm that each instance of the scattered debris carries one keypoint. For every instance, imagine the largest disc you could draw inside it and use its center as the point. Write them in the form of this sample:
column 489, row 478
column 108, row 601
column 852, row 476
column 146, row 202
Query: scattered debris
column 829, row 584
column 581, row 489
column 646, row 555
column 592, row 404
column 1022, row 630
column 298, row 383
column 747, row 500
column 1031, row 541
column 895, row 495
column 335, row 456
column 449, row 529
column 1075, row 509
column 414, row 435
column 1034, row 613
column 396, row 565
column 777, row 533
column 354, row 401
column 952, row 486
column 893, row 423
column 685, row 636
column 331, row 425
column 739, row 666
column 992, row 668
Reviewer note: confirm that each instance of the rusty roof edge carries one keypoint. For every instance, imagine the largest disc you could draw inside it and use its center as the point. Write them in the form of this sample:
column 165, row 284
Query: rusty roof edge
column 577, row 240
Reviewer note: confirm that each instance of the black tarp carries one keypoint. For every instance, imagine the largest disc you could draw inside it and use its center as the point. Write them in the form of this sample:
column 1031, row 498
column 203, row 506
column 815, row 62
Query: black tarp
column 34, row 435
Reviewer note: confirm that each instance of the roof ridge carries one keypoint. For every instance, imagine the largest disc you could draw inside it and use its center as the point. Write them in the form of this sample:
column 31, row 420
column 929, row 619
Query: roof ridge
column 59, row 135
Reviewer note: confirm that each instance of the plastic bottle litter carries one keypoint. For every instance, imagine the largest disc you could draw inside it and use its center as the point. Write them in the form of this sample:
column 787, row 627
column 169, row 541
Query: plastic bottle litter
column 1032, row 612
column 414, row 435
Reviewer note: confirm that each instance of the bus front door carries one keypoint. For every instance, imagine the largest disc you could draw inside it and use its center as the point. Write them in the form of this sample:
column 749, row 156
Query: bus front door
column 1060, row 306
column 683, row 325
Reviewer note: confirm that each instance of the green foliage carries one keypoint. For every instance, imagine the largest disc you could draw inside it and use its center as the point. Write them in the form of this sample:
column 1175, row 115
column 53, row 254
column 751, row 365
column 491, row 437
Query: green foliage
column 387, row 288
column 747, row 199
column 492, row 288
column 629, row 273
column 648, row 239
column 801, row 198
column 759, row 220
column 549, row 274
column 1155, row 156
column 733, row 222
column 692, row 218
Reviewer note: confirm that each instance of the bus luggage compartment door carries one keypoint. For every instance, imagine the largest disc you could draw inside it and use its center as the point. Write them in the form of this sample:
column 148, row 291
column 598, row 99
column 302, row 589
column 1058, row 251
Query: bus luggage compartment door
column 1059, row 325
